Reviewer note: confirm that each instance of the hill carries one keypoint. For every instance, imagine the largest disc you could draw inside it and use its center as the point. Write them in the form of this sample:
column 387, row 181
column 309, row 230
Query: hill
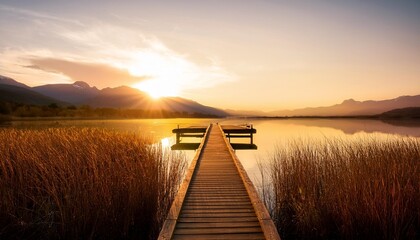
column 11, row 93
column 352, row 107
column 184, row 105
column 75, row 93
column 411, row 112
column 245, row 113
column 119, row 97
column 80, row 93
column 126, row 97
column 9, row 81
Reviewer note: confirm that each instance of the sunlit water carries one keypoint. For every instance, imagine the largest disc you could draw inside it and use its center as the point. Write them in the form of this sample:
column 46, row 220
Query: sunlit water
column 271, row 133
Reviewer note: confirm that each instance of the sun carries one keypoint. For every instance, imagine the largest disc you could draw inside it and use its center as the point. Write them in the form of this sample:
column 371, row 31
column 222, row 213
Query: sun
column 158, row 88
column 166, row 73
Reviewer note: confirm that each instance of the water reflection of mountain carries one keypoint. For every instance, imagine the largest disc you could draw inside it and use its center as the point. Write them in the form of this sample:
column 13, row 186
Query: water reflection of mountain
column 404, row 122
column 352, row 126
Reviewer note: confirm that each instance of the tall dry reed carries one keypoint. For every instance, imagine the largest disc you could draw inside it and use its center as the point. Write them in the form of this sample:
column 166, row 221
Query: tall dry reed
column 366, row 188
column 84, row 184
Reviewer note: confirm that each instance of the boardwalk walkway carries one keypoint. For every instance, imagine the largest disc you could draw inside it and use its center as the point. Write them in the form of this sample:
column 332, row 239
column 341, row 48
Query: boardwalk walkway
column 217, row 200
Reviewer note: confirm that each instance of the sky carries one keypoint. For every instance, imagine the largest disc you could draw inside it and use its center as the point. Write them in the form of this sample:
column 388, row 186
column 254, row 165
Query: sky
column 232, row 54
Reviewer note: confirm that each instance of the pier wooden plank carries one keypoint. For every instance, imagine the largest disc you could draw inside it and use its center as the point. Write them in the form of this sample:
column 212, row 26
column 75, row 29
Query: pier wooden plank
column 217, row 201
column 225, row 210
column 217, row 220
column 219, row 230
column 217, row 207
column 253, row 236
column 218, row 225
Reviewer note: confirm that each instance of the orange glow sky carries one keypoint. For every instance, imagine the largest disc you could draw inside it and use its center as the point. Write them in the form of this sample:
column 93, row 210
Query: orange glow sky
column 261, row 55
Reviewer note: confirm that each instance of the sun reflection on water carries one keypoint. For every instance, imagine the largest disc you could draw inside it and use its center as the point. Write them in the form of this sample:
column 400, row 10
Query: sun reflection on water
column 165, row 142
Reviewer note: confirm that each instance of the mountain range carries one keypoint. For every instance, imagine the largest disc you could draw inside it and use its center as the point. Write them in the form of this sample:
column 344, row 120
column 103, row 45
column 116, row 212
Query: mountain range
column 352, row 107
column 80, row 93
column 76, row 93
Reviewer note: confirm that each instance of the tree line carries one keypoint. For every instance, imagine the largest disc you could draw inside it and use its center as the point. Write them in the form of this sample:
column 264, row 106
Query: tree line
column 20, row 110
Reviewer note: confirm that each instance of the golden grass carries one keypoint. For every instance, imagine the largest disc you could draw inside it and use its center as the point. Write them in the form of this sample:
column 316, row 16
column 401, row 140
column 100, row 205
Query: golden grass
column 84, row 184
column 346, row 189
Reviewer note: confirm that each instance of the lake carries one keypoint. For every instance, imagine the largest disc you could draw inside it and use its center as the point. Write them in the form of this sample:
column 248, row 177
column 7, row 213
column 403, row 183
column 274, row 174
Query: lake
column 271, row 133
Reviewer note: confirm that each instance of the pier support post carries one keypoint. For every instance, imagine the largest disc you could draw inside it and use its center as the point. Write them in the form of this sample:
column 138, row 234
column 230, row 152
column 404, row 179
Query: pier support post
column 178, row 137
column 252, row 135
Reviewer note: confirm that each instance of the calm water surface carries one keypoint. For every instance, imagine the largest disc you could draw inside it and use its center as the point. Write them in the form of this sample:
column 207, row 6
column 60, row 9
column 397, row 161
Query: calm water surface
column 270, row 133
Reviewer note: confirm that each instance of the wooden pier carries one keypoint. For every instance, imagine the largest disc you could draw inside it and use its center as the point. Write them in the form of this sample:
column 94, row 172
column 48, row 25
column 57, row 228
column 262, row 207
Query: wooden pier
column 217, row 200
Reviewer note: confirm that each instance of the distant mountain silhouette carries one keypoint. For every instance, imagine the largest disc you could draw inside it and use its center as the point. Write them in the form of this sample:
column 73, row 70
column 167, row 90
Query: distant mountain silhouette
column 119, row 97
column 245, row 113
column 184, row 105
column 352, row 107
column 75, row 93
column 9, row 81
column 410, row 112
column 12, row 93
column 126, row 97
column 80, row 93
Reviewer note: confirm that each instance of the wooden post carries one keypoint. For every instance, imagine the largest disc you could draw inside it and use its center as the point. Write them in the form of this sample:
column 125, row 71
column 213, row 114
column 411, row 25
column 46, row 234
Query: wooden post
column 252, row 135
column 177, row 136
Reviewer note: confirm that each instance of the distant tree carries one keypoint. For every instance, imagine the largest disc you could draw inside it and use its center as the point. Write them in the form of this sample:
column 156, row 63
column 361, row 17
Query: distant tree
column 53, row 106
column 5, row 108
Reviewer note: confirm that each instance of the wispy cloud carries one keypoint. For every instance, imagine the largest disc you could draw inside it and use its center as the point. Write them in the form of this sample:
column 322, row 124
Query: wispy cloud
column 167, row 67
column 102, row 54
column 111, row 55
column 15, row 63
column 37, row 14
column 104, row 75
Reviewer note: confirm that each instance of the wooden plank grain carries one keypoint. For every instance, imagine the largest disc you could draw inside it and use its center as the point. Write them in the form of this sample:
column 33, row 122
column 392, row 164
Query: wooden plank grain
column 216, row 220
column 217, row 207
column 219, row 230
column 215, row 203
column 250, row 236
column 218, row 215
column 218, row 225
column 233, row 210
